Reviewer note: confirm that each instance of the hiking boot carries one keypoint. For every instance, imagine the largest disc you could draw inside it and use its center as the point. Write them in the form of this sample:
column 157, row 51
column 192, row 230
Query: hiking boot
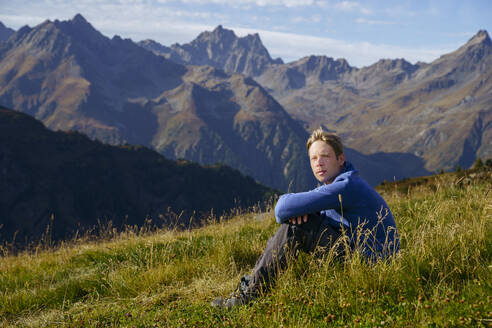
column 228, row 303
column 241, row 296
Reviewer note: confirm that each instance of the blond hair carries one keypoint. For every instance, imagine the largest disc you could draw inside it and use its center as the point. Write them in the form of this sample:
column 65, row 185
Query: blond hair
column 331, row 139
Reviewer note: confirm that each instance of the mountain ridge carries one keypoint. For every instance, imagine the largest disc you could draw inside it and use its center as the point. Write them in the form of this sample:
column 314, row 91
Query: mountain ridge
column 5, row 32
column 220, row 48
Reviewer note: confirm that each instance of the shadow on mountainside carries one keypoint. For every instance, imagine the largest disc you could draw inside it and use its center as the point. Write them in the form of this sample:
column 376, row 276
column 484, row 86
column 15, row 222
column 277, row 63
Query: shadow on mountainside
column 72, row 183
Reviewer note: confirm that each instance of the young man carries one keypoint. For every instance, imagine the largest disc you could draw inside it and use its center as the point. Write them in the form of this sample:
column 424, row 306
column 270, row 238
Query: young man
column 344, row 204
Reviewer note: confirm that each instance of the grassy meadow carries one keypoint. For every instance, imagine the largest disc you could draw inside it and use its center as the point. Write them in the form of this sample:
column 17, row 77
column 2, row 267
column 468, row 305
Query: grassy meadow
column 442, row 276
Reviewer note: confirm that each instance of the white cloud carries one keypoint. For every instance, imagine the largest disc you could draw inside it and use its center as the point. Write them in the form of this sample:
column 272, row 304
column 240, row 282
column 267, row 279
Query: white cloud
column 16, row 21
column 460, row 34
column 260, row 3
column 399, row 11
column 164, row 32
column 169, row 25
column 302, row 19
column 433, row 11
column 351, row 6
column 373, row 22
column 346, row 5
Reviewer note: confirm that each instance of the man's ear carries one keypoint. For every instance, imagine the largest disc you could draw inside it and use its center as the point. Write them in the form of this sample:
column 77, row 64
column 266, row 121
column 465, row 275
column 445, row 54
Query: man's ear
column 341, row 159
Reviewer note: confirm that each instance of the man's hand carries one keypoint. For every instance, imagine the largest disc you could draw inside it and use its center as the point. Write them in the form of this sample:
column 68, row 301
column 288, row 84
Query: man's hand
column 299, row 219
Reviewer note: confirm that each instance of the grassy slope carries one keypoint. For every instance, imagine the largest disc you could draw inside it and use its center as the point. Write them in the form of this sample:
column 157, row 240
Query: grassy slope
column 442, row 276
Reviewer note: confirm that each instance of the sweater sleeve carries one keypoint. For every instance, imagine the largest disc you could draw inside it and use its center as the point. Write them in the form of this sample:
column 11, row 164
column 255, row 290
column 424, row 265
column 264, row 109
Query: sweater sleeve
column 322, row 198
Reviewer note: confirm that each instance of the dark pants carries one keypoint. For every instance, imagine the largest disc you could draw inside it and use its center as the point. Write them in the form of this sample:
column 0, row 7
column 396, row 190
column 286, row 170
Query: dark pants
column 285, row 245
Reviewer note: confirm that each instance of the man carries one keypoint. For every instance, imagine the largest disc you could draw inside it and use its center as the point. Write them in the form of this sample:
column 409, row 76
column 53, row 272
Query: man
column 343, row 205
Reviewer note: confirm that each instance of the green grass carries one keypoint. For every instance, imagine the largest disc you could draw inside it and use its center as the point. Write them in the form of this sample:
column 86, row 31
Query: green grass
column 139, row 278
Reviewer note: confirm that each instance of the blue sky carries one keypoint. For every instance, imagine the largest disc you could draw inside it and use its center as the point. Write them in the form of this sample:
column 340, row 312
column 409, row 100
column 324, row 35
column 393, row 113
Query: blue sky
column 362, row 32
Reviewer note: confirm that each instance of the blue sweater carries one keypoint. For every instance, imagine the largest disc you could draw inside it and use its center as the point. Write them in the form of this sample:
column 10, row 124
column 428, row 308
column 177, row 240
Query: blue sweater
column 350, row 201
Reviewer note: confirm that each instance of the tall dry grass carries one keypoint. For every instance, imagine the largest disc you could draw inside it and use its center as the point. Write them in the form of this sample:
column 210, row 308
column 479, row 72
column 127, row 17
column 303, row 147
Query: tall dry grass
column 146, row 278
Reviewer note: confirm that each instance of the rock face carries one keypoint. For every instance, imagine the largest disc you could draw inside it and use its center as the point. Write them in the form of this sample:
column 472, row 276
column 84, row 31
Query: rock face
column 216, row 117
column 220, row 48
column 5, row 32
column 76, row 181
column 304, row 73
column 439, row 111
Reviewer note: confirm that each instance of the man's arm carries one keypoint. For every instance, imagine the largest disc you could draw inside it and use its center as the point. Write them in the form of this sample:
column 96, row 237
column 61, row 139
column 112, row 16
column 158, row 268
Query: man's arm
column 294, row 207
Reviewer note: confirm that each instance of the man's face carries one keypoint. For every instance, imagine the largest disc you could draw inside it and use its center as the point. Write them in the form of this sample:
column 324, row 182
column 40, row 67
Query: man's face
column 324, row 163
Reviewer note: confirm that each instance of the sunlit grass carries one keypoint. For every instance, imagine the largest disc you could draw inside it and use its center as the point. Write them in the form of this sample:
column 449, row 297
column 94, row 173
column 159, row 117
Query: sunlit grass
column 143, row 278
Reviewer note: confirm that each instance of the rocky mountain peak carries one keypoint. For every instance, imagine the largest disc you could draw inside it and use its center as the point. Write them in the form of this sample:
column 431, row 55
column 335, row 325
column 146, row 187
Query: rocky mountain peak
column 58, row 34
column 150, row 43
column 394, row 64
column 221, row 30
column 78, row 26
column 343, row 63
column 325, row 68
column 219, row 34
column 480, row 44
column 45, row 36
column 5, row 32
column 474, row 55
column 254, row 38
column 156, row 48
column 482, row 37
column 80, row 20
column 312, row 63
column 220, row 48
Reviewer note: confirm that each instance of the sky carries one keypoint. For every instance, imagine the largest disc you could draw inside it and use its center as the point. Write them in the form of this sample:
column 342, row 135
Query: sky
column 362, row 32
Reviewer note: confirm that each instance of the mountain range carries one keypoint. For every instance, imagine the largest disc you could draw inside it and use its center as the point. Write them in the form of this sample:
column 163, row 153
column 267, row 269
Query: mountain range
column 438, row 111
column 71, row 77
column 65, row 181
